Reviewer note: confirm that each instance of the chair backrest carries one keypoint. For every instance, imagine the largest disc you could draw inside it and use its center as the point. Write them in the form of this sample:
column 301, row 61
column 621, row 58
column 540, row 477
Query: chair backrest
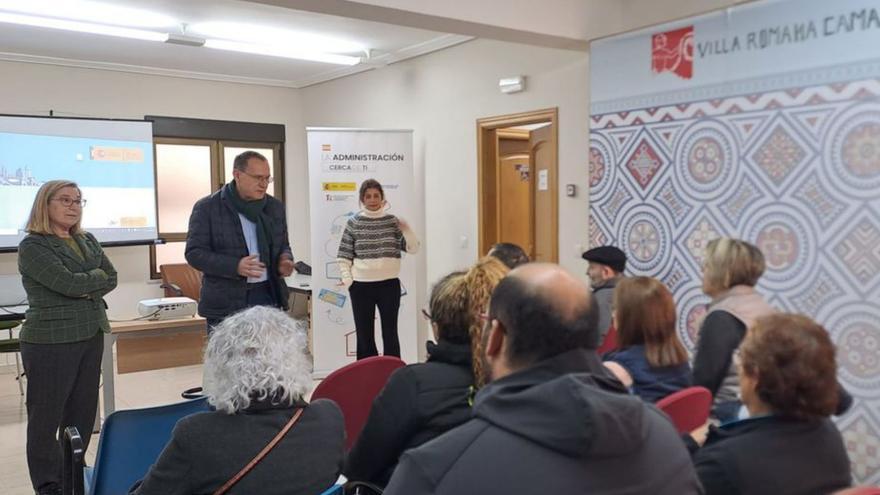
column 860, row 490
column 353, row 388
column 72, row 462
column 610, row 342
column 131, row 441
column 688, row 408
column 182, row 276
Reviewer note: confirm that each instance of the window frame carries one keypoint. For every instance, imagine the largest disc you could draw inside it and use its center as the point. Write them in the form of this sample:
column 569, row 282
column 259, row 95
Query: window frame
column 217, row 170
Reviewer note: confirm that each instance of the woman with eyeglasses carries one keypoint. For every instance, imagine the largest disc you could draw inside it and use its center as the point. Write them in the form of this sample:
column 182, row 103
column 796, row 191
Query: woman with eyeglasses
column 423, row 401
column 66, row 275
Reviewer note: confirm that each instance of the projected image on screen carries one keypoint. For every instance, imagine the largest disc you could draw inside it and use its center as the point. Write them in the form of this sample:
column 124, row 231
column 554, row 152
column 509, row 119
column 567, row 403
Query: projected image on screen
column 112, row 161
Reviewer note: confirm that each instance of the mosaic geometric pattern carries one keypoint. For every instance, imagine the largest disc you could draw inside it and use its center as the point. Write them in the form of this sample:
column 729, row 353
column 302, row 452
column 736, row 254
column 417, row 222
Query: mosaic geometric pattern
column 797, row 172
column 818, row 293
column 597, row 166
column 814, row 196
column 778, row 155
column 620, row 198
column 861, row 150
column 745, row 194
column 697, row 240
column 860, row 251
column 677, row 207
column 643, row 163
column 863, row 446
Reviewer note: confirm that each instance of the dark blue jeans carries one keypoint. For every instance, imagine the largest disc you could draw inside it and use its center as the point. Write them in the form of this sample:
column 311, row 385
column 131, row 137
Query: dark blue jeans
column 257, row 295
column 728, row 411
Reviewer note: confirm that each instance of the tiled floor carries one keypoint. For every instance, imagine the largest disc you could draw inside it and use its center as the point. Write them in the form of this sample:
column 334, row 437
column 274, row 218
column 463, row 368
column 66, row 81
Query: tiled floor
column 142, row 389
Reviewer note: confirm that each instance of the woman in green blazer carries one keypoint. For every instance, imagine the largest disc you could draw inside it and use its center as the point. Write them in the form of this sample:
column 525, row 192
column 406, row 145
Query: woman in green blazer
column 66, row 275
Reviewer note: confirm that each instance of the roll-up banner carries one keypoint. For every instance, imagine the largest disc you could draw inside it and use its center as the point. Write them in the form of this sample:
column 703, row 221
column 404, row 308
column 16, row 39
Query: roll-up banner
column 339, row 161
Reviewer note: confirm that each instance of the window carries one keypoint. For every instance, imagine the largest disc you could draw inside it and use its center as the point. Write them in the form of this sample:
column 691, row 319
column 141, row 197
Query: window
column 190, row 168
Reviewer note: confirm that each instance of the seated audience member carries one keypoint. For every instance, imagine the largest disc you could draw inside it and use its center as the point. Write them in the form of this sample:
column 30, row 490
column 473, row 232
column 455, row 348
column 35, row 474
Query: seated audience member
column 731, row 268
column 510, row 254
column 552, row 419
column 605, row 269
column 422, row 401
column 256, row 374
column 651, row 360
column 788, row 445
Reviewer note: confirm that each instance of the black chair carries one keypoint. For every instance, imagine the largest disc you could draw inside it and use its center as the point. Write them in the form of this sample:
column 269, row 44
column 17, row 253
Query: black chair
column 361, row 488
column 73, row 462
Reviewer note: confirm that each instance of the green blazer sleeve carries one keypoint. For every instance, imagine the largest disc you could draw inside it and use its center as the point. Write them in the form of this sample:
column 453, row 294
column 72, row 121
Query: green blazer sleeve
column 37, row 260
column 106, row 265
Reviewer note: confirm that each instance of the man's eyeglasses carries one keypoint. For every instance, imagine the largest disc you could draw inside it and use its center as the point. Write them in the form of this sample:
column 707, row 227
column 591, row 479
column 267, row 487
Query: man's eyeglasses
column 67, row 202
column 427, row 315
column 268, row 179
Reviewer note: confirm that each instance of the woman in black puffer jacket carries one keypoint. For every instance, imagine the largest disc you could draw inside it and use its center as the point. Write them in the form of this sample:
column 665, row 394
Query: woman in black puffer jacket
column 422, row 401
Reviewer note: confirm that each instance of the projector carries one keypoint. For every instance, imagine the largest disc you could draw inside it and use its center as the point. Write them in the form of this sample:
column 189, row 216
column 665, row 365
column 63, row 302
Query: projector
column 166, row 308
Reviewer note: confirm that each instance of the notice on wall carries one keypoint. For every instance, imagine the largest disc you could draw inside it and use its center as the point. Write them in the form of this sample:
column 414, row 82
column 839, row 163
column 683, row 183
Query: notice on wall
column 543, row 181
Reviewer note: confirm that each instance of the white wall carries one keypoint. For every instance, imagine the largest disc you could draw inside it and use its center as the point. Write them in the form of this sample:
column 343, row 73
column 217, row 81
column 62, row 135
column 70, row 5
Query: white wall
column 440, row 97
column 34, row 89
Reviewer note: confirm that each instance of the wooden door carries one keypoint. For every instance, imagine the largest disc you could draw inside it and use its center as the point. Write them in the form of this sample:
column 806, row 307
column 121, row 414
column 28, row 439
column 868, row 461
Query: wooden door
column 542, row 150
column 515, row 211
column 492, row 134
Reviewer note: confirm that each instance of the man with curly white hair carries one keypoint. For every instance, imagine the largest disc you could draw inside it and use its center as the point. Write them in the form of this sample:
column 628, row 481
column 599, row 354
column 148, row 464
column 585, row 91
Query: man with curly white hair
column 257, row 371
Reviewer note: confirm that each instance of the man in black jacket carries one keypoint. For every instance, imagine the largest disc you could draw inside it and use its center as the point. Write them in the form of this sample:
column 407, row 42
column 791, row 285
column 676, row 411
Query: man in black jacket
column 238, row 239
column 552, row 420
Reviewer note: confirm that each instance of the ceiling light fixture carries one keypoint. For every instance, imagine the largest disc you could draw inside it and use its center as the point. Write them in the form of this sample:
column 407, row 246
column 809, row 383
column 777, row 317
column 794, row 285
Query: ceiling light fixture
column 185, row 40
column 89, row 11
column 274, row 51
column 269, row 35
column 82, row 27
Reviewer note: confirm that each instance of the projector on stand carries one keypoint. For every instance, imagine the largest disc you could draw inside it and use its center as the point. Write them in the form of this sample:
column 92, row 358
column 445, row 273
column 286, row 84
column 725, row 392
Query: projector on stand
column 166, row 308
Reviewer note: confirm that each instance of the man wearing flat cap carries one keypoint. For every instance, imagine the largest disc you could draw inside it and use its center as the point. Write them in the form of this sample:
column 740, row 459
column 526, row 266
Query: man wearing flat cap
column 606, row 265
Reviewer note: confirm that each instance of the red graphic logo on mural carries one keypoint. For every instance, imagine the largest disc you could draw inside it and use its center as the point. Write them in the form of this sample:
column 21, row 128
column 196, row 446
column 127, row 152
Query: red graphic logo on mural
column 673, row 51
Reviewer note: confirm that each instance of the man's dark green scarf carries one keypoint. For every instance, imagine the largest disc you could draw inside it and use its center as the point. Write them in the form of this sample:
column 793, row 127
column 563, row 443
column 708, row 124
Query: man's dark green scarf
column 255, row 211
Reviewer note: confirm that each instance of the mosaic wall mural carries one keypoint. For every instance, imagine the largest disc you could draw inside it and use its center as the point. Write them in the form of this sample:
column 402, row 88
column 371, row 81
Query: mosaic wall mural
column 795, row 171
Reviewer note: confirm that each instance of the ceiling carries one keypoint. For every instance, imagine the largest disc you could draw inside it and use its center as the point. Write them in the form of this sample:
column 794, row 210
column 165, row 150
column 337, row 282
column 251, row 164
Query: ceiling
column 392, row 30
column 388, row 43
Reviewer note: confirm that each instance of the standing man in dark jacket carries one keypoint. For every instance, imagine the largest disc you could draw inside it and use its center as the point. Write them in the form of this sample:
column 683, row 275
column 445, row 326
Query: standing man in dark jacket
column 238, row 239
column 552, row 420
column 606, row 265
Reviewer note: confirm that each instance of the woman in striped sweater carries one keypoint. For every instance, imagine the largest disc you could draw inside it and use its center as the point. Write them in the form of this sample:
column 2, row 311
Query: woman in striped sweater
column 369, row 259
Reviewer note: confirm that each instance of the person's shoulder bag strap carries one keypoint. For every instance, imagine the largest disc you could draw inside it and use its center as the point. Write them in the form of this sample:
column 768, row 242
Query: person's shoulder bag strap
column 259, row 457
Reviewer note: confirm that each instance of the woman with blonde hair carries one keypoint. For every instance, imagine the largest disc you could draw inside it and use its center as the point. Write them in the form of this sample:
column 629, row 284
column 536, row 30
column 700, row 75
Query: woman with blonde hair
column 650, row 359
column 257, row 374
column 422, row 401
column 731, row 269
column 66, row 275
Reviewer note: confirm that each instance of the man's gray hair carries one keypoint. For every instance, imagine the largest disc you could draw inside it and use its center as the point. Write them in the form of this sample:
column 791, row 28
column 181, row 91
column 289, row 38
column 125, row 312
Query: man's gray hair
column 254, row 354
column 241, row 161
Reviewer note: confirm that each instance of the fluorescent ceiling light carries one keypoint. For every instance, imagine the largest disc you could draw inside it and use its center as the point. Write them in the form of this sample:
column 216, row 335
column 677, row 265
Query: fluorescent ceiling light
column 264, row 35
column 85, row 10
column 274, row 51
column 82, row 27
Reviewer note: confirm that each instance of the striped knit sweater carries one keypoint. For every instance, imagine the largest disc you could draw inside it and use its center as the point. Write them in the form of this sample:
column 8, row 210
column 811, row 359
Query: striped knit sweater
column 370, row 247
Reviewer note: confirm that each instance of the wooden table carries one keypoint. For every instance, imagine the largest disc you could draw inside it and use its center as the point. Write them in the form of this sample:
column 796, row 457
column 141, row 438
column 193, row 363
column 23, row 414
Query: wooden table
column 150, row 345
